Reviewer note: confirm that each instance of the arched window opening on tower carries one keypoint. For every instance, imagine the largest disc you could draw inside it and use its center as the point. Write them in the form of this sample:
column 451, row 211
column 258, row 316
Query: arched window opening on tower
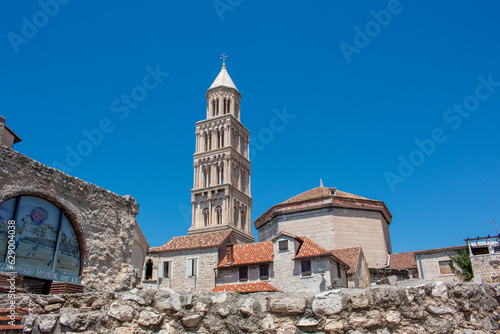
column 214, row 106
column 222, row 173
column 222, row 138
column 206, row 141
column 243, row 183
column 218, row 210
column 208, row 177
column 218, row 139
column 209, row 141
column 243, row 219
column 235, row 216
column 205, row 217
column 205, row 176
column 217, row 169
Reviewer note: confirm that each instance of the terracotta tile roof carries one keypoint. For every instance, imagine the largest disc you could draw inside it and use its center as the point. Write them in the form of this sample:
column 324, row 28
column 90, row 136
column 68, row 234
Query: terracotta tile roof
column 309, row 249
column 349, row 256
column 194, row 241
column 439, row 250
column 257, row 252
column 322, row 192
column 403, row 261
column 246, row 287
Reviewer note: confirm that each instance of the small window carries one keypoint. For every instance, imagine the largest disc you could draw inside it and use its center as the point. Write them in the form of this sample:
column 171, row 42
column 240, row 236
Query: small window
column 283, row 245
column 167, row 266
column 149, row 270
column 305, row 267
column 445, row 268
column 243, row 273
column 264, row 271
column 192, row 267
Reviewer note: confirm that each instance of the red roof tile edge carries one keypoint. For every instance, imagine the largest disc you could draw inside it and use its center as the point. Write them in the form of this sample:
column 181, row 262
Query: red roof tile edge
column 246, row 287
column 437, row 250
column 164, row 248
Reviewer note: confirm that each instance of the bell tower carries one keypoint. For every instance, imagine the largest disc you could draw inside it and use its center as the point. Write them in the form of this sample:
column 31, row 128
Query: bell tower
column 221, row 195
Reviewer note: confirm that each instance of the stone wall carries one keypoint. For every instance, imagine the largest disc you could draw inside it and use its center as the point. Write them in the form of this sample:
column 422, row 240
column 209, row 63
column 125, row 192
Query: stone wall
column 426, row 308
column 487, row 266
column 105, row 222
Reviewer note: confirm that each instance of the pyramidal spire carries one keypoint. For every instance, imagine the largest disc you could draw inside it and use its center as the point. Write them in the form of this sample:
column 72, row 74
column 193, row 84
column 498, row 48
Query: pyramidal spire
column 223, row 79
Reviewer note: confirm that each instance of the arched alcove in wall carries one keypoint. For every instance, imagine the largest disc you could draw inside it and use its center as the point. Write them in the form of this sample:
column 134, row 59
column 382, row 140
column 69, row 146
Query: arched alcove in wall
column 45, row 240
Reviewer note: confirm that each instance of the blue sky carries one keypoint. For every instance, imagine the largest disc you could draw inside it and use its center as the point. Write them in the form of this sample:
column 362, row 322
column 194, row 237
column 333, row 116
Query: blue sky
column 374, row 88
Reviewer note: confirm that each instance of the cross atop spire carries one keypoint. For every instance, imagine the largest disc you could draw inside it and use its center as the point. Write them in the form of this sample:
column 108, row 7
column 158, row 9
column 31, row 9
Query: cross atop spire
column 223, row 57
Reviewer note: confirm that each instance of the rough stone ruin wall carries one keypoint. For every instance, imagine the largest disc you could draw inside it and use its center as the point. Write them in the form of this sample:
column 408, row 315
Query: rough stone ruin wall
column 427, row 308
column 104, row 221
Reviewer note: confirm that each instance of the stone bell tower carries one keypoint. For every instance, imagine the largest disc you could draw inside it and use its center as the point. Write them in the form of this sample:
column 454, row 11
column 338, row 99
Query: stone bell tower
column 221, row 192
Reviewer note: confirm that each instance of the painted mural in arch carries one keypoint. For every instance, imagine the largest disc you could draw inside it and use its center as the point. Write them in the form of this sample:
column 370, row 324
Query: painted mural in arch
column 46, row 243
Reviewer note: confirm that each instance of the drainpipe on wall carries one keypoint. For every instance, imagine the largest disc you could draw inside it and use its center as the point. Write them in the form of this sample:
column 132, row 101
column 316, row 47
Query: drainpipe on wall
column 215, row 277
column 157, row 273
column 420, row 265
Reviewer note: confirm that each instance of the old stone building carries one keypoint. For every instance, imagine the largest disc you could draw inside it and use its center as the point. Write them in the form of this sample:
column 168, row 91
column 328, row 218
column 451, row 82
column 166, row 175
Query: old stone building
column 66, row 230
column 333, row 219
column 358, row 275
column 286, row 263
column 485, row 257
column 187, row 263
column 434, row 264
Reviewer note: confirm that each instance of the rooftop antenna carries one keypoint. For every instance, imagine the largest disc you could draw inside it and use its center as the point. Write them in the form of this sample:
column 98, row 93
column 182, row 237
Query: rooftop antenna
column 224, row 57
column 494, row 222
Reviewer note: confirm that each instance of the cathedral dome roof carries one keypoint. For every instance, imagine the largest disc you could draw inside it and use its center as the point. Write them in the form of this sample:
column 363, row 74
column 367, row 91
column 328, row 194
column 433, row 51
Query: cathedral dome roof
column 321, row 197
column 322, row 192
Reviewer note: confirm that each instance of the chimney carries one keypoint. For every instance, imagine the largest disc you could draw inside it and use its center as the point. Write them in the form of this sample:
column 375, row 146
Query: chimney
column 229, row 251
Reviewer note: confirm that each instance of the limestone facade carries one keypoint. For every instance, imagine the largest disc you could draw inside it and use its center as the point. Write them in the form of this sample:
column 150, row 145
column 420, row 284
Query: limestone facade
column 221, row 194
column 486, row 266
column 333, row 219
column 180, row 277
column 112, row 245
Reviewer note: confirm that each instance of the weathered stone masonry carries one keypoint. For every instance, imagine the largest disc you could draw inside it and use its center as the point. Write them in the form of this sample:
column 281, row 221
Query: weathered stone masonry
column 105, row 223
column 427, row 308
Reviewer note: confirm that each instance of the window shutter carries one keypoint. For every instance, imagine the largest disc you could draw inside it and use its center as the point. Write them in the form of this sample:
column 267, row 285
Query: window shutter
column 189, row 267
column 160, row 269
